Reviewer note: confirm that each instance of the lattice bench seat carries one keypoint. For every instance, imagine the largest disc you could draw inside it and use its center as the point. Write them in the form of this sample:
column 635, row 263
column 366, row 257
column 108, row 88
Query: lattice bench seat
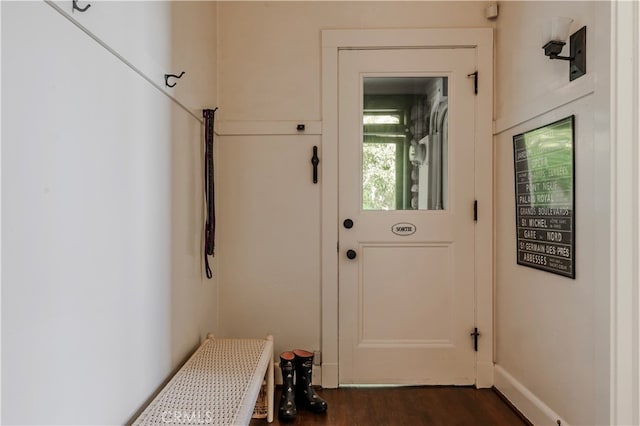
column 218, row 385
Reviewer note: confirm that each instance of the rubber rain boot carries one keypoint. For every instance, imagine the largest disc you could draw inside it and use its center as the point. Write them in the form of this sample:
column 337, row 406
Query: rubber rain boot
column 287, row 409
column 305, row 395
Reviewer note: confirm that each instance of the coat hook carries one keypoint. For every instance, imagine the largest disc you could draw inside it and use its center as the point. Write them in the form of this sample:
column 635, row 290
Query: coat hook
column 76, row 7
column 166, row 78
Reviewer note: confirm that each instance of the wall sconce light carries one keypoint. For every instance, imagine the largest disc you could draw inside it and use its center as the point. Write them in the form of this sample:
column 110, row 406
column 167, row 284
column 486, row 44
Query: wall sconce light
column 555, row 35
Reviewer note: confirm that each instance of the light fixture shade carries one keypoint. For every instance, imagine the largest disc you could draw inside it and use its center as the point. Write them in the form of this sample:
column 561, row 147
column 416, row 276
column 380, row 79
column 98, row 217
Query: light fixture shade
column 556, row 29
column 555, row 35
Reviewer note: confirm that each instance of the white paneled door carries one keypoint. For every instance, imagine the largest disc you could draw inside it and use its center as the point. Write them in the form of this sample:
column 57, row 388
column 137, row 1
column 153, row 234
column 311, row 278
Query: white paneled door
column 406, row 216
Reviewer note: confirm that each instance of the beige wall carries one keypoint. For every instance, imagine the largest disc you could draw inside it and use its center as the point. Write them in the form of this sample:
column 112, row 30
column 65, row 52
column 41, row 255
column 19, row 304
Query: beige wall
column 269, row 73
column 552, row 335
column 269, row 52
column 102, row 289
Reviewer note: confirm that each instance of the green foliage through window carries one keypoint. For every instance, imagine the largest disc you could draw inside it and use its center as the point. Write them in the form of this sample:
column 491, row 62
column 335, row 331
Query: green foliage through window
column 379, row 176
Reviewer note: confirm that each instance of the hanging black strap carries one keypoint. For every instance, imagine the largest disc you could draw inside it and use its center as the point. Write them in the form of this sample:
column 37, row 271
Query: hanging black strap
column 209, row 190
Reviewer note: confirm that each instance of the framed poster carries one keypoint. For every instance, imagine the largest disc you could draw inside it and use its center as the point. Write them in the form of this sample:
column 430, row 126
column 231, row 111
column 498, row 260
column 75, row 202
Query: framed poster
column 545, row 197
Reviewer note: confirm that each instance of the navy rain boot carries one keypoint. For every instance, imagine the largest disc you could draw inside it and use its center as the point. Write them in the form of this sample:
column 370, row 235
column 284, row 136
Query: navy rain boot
column 305, row 395
column 287, row 410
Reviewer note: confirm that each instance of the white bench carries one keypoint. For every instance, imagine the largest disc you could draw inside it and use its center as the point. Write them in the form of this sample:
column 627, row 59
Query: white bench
column 218, row 385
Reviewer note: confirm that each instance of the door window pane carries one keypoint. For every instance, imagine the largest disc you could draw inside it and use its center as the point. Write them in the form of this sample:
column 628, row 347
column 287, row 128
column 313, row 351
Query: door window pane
column 404, row 146
column 379, row 176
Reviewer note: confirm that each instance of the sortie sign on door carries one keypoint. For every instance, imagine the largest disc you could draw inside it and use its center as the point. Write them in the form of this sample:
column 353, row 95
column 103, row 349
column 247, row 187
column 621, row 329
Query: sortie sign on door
column 403, row 229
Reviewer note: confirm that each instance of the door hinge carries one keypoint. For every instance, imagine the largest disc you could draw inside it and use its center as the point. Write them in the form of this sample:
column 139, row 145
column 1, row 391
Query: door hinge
column 475, row 81
column 475, row 210
column 475, row 336
column 337, row 246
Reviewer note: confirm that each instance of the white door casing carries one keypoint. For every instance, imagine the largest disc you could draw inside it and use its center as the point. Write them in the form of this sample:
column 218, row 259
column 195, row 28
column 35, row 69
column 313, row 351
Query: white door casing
column 479, row 39
column 406, row 302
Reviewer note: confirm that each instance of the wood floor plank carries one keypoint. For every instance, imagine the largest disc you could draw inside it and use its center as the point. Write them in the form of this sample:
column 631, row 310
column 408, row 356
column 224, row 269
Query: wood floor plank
column 402, row 406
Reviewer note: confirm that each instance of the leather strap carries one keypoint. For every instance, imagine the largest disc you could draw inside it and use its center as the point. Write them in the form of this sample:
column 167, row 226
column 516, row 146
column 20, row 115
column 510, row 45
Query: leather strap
column 209, row 190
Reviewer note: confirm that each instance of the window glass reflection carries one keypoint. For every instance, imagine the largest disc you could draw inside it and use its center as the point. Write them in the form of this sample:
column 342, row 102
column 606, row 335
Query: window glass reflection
column 405, row 143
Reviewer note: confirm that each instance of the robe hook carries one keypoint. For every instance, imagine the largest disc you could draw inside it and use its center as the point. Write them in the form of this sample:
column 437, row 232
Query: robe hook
column 167, row 76
column 81, row 9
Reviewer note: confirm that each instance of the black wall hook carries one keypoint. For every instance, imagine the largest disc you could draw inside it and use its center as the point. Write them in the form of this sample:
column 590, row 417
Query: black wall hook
column 81, row 9
column 167, row 76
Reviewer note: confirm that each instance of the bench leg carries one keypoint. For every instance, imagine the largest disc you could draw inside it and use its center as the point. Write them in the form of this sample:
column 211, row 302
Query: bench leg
column 270, row 387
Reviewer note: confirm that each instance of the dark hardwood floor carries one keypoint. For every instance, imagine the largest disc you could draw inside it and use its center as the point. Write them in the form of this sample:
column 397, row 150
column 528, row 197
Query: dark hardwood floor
column 407, row 406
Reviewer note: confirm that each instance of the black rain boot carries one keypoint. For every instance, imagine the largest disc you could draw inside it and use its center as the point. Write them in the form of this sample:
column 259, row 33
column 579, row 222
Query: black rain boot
column 287, row 409
column 305, row 395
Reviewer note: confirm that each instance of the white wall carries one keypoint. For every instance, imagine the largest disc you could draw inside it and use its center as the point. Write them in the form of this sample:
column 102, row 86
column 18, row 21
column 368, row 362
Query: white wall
column 270, row 212
column 102, row 289
column 552, row 333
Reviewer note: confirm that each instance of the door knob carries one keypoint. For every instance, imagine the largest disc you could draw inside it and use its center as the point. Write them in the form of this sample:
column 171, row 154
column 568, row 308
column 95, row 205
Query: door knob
column 348, row 223
column 351, row 254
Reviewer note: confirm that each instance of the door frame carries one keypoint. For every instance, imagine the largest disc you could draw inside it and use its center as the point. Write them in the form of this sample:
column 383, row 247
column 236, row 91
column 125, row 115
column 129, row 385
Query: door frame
column 332, row 42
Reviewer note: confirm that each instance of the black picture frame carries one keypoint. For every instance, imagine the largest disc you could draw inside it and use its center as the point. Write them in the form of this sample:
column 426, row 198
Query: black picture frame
column 544, row 171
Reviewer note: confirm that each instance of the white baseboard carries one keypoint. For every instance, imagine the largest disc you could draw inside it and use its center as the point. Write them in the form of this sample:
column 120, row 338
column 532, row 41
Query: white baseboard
column 277, row 373
column 532, row 407
column 485, row 378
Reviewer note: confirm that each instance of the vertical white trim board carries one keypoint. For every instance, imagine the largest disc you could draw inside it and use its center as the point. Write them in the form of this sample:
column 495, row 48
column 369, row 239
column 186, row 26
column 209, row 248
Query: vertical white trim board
column 625, row 200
